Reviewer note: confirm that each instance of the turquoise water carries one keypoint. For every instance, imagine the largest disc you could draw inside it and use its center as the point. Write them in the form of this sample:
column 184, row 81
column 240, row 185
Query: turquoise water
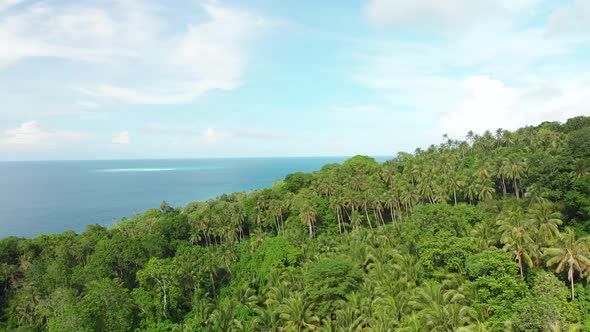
column 54, row 196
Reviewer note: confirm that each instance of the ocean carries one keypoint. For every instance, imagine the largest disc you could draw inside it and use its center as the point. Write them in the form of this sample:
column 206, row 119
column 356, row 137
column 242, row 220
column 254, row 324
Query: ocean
column 54, row 196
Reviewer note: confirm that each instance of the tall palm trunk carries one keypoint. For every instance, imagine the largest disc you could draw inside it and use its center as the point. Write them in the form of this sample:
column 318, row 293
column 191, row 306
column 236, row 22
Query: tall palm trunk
column 570, row 276
column 338, row 219
column 391, row 214
column 368, row 219
column 516, row 189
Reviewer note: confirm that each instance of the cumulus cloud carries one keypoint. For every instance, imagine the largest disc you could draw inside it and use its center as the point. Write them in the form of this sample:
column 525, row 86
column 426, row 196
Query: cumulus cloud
column 488, row 104
column 121, row 138
column 487, row 70
column 32, row 133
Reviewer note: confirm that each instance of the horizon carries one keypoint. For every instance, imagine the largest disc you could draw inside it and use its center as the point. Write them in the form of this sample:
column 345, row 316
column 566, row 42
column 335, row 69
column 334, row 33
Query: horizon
column 219, row 79
column 202, row 158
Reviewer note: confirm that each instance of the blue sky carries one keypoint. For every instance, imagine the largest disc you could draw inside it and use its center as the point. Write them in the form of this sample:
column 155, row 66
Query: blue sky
column 260, row 78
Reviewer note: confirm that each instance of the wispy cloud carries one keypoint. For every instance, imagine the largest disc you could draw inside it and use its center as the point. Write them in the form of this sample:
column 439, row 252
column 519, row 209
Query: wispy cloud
column 75, row 32
column 439, row 16
column 209, row 55
column 155, row 128
column 33, row 134
column 121, row 138
column 87, row 104
column 6, row 4
column 213, row 136
column 260, row 134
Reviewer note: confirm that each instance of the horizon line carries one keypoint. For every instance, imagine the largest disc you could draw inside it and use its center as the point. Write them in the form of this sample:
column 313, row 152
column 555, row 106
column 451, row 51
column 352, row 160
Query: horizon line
column 196, row 158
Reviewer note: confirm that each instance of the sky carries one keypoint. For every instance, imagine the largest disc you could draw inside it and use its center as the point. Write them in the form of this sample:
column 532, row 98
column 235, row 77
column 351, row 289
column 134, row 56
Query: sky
column 260, row 78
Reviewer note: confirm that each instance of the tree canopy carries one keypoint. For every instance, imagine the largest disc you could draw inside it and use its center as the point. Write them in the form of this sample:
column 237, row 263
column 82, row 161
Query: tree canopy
column 483, row 234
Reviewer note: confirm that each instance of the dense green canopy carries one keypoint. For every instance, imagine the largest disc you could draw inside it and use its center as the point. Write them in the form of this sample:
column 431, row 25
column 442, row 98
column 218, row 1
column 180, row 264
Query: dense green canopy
column 487, row 234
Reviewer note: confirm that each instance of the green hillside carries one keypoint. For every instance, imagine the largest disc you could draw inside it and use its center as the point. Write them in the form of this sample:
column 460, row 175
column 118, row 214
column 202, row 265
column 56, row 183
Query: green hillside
column 486, row 234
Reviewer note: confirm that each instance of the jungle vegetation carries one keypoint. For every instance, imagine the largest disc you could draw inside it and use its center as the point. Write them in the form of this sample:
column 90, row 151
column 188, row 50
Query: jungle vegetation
column 484, row 234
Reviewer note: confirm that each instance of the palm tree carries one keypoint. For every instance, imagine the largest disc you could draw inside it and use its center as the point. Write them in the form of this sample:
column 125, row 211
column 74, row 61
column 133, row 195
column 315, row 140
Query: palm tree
column 336, row 204
column 366, row 201
column 581, row 168
column 486, row 190
column 298, row 313
column 571, row 252
column 308, row 214
column 456, row 183
column 516, row 232
column 471, row 191
column 355, row 220
column 441, row 308
column 516, row 168
column 546, row 221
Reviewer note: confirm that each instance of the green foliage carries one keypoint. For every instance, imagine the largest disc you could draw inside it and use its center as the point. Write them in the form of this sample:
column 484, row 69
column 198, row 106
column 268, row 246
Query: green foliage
column 297, row 181
column 456, row 220
column 496, row 284
column 578, row 202
column 545, row 306
column 411, row 244
column 492, row 262
column 330, row 279
column 108, row 306
column 444, row 253
column 579, row 143
column 273, row 254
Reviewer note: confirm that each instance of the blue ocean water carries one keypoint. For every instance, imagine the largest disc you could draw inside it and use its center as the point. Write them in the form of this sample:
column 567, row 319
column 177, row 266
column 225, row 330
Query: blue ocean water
column 53, row 196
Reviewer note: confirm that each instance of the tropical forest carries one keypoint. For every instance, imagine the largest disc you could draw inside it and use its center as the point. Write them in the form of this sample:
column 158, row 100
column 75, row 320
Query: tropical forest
column 490, row 233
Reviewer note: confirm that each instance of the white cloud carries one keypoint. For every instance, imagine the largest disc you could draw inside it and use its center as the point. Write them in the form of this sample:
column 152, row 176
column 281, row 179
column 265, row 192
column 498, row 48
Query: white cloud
column 212, row 136
column 121, row 138
column 32, row 133
column 573, row 17
column 486, row 71
column 488, row 104
column 436, row 14
column 6, row 4
column 181, row 93
column 210, row 55
column 76, row 32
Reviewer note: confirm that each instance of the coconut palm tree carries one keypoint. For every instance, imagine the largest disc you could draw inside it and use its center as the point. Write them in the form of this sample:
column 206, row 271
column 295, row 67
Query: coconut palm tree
column 308, row 214
column 456, row 184
column 546, row 221
column 571, row 253
column 515, row 168
column 515, row 230
column 297, row 313
column 441, row 308
column 485, row 190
